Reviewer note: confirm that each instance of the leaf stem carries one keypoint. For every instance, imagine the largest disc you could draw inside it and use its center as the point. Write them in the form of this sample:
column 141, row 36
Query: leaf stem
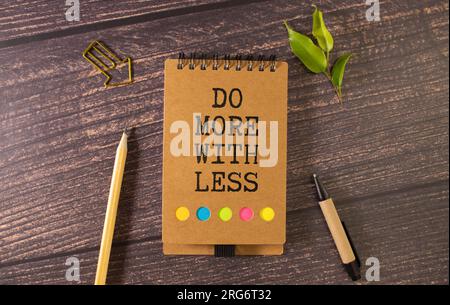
column 338, row 95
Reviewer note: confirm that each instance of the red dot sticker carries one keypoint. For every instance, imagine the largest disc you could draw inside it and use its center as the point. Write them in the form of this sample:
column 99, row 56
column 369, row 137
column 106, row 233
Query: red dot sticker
column 246, row 214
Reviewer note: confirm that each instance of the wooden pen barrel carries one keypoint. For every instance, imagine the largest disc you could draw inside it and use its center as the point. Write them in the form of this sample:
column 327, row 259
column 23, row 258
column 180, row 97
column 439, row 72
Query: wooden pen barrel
column 337, row 231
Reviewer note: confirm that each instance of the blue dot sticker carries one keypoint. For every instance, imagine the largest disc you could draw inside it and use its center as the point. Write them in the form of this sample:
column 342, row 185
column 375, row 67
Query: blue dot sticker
column 203, row 214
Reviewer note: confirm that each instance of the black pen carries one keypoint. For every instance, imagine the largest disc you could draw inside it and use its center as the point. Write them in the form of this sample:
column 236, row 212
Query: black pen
column 340, row 235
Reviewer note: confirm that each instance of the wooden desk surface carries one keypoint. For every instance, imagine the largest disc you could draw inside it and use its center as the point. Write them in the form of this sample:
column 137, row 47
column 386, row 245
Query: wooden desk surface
column 384, row 154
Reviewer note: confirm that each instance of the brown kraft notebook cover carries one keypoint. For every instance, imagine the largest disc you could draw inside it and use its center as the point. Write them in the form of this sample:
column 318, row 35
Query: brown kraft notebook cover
column 224, row 157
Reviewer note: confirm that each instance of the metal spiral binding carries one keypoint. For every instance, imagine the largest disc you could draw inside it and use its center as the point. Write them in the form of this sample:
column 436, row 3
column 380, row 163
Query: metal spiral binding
column 226, row 59
column 180, row 61
column 238, row 62
column 192, row 61
column 215, row 64
column 202, row 60
column 250, row 63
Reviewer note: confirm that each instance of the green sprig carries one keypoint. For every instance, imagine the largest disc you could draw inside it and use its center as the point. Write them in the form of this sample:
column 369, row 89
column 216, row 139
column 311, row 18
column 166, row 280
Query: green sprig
column 316, row 57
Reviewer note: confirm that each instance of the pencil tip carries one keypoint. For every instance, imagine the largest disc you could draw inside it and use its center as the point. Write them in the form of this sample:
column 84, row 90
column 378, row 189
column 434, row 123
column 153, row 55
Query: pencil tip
column 125, row 131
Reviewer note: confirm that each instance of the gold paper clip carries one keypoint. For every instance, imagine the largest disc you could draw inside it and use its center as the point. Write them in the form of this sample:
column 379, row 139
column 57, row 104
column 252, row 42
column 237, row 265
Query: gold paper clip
column 104, row 60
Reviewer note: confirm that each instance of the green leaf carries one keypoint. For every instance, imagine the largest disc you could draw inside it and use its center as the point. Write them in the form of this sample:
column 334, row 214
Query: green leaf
column 304, row 48
column 320, row 31
column 337, row 74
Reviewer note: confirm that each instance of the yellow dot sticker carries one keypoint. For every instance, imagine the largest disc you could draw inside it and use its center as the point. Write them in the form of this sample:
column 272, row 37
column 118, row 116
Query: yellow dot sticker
column 225, row 214
column 182, row 213
column 267, row 214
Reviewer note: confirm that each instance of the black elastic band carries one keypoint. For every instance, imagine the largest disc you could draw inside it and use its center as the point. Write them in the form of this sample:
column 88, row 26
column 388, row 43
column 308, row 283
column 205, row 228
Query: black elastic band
column 224, row 250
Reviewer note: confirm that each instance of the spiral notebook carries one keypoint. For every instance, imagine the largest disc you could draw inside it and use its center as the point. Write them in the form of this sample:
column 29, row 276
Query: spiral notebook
column 224, row 167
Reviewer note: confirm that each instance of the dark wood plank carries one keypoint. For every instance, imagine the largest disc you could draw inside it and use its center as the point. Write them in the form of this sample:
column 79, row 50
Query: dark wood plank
column 28, row 18
column 384, row 153
column 381, row 230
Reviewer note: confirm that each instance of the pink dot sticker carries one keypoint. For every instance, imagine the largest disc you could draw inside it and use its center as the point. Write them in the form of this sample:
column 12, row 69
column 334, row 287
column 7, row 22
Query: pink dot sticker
column 246, row 214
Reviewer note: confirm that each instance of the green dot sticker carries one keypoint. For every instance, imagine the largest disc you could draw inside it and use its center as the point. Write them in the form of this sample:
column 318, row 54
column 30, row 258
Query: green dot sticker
column 225, row 214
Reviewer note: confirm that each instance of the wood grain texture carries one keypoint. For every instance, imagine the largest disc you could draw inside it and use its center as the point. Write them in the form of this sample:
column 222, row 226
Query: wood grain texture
column 383, row 154
column 27, row 18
